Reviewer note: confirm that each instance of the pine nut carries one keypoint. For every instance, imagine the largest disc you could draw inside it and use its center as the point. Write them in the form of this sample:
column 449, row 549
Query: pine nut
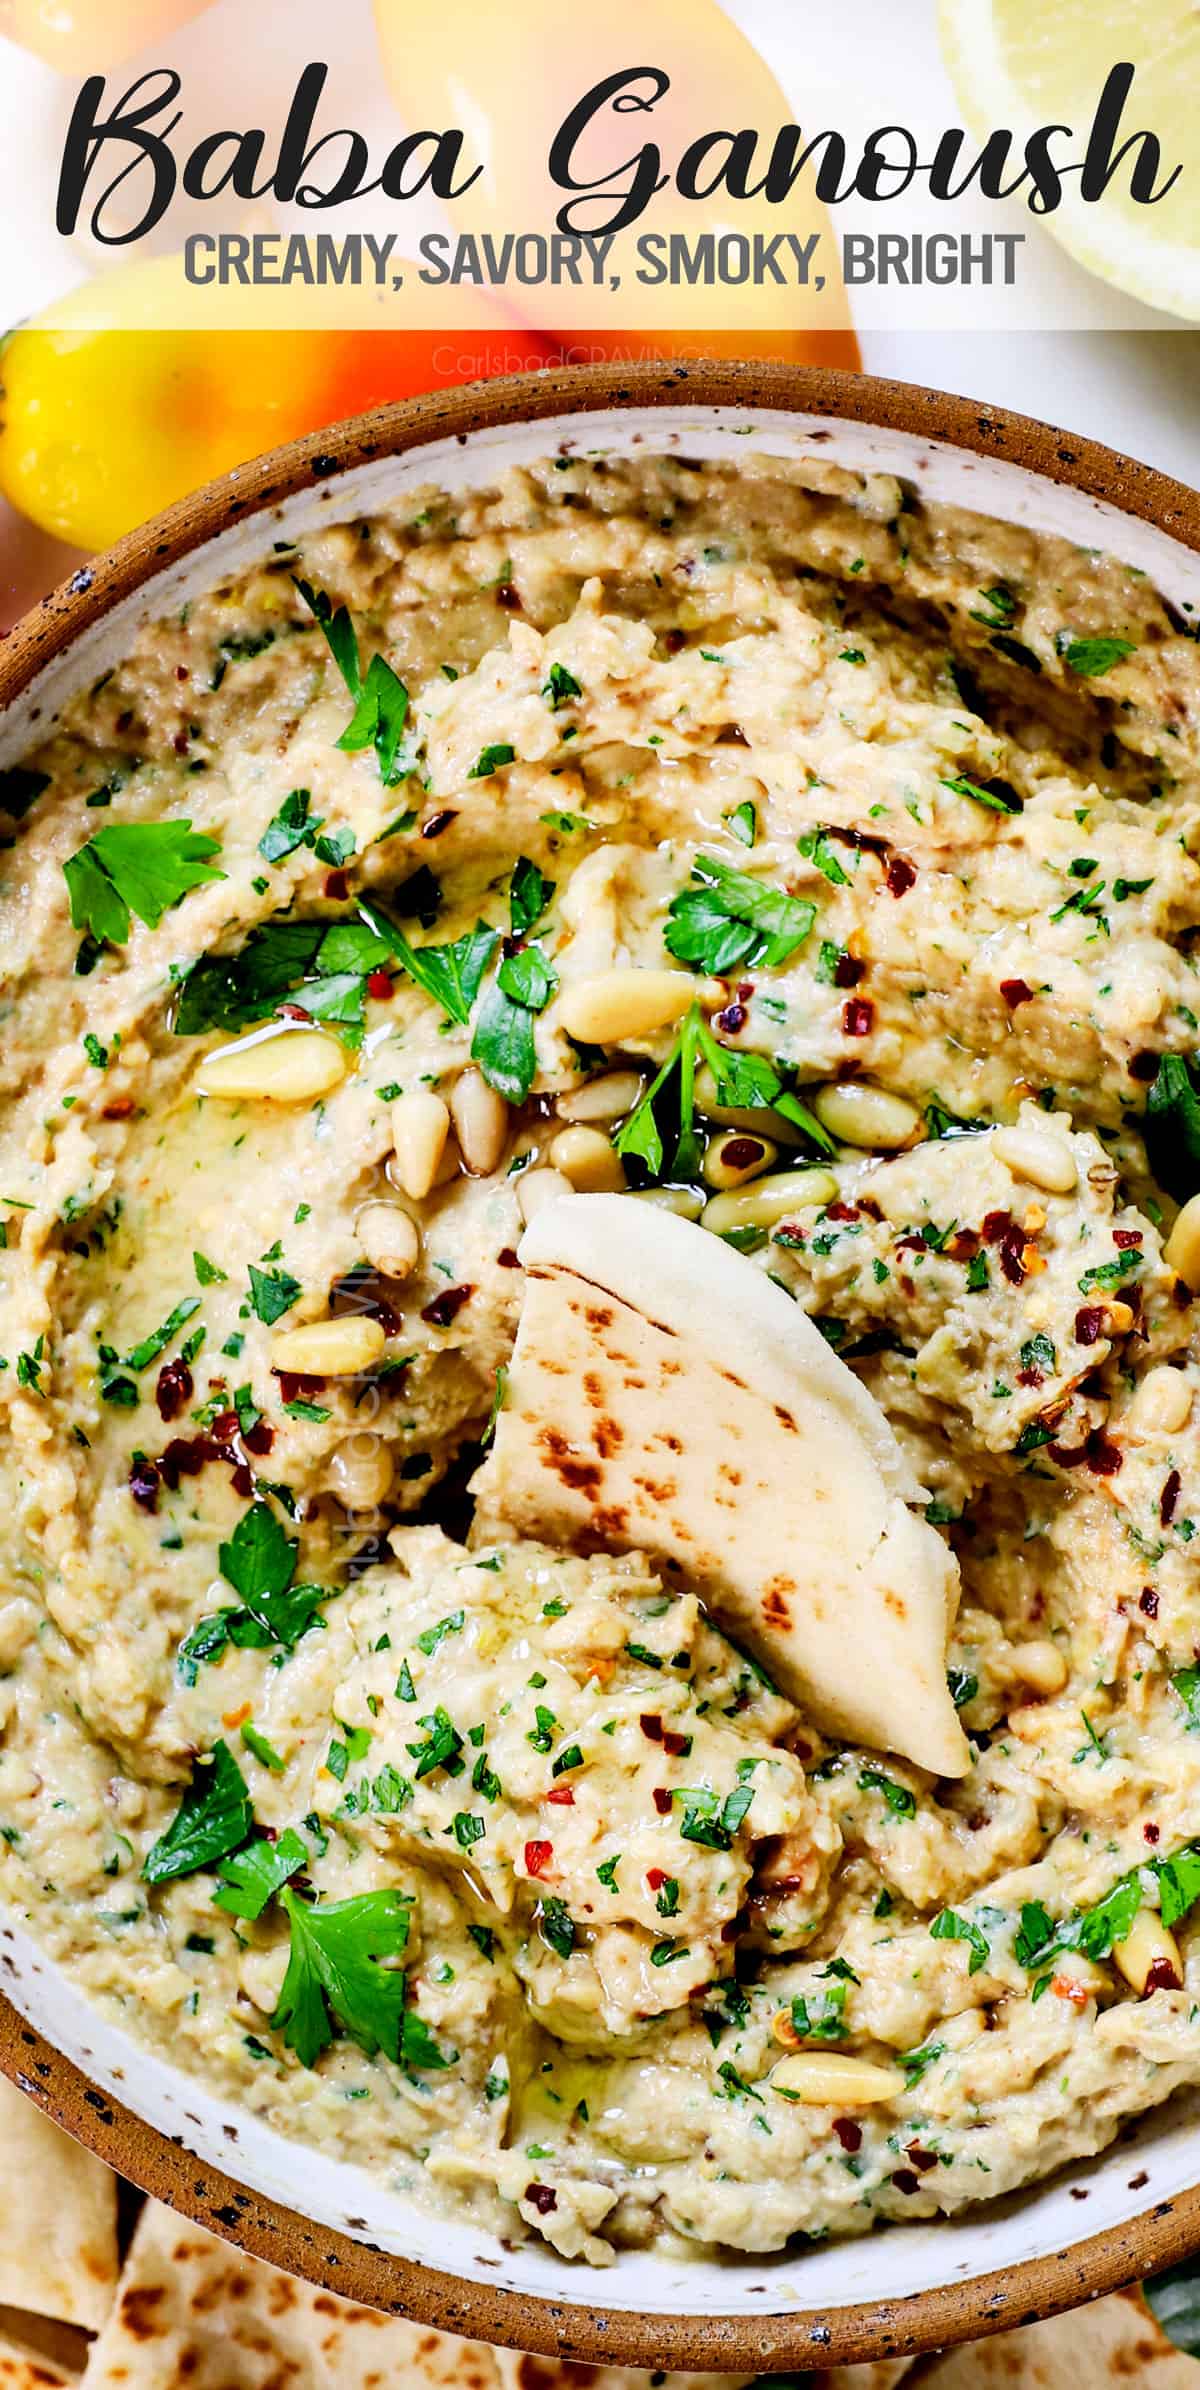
column 389, row 1237
column 683, row 1201
column 536, row 1187
column 1039, row 1155
column 279, row 1065
column 360, row 1471
column 1040, row 1665
column 589, row 1160
column 420, row 1127
column 759, row 1119
column 1182, row 1248
column 1118, row 1318
column 1149, row 1946
column 832, row 2079
column 859, row 1114
column 481, row 1121
column 1162, row 1404
column 609, row 1097
column 616, row 1005
column 737, row 1156
column 768, row 1200
column 329, row 1348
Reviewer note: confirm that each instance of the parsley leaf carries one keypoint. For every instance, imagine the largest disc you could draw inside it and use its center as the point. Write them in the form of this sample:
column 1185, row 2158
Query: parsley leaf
column 334, row 1978
column 214, row 1817
column 529, row 893
column 948, row 1927
column 560, row 687
column 136, row 867
column 380, row 698
column 272, row 1292
column 1173, row 1127
column 251, row 1877
column 451, row 974
column 493, row 759
column 997, row 796
column 1090, row 658
column 730, row 918
column 259, row 1559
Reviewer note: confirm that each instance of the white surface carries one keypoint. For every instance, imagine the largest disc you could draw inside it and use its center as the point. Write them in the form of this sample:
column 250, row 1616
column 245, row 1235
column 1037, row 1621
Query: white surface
column 1163, row 2157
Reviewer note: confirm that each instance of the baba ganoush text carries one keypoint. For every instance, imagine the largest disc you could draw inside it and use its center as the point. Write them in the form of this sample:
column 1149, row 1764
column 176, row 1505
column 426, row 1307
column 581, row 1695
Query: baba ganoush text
column 753, row 842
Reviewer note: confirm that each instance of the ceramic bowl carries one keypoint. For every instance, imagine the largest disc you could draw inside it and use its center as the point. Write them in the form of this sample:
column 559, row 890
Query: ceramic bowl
column 910, row 2288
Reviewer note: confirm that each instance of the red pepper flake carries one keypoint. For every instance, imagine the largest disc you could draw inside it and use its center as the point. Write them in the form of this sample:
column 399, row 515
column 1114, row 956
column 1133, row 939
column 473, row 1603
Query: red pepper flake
column 901, row 875
column 662, row 1800
column 293, row 1388
column 361, row 1290
column 562, row 1796
column 1123, row 1238
column 731, row 1019
column 447, row 1306
column 848, row 2133
column 963, row 1245
column 842, row 1211
column 1089, row 1323
column 185, row 1456
column 379, row 983
column 858, row 1014
column 173, row 1389
column 259, row 1438
column 144, row 1483
column 1163, row 1976
column 540, row 2196
column 922, row 2159
column 742, row 1153
column 438, row 822
column 1067, row 1456
column 906, row 2182
column 119, row 1109
column 652, row 1726
column 656, row 1877
column 1150, row 1831
column 996, row 1226
column 1169, row 1499
column 506, row 1259
column 1148, row 1602
column 1016, row 992
column 1031, row 1377
column 676, row 1746
column 1104, row 1458
column 508, row 597
column 337, row 887
column 847, row 971
column 537, row 1857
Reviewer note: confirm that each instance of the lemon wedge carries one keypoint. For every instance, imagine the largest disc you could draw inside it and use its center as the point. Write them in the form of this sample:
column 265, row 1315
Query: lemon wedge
column 1022, row 64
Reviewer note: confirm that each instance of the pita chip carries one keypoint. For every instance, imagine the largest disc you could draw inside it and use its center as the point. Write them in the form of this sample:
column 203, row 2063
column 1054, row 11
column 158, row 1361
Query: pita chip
column 58, row 2219
column 1107, row 2346
column 192, row 2313
column 549, row 2373
column 24, row 2368
column 666, row 1396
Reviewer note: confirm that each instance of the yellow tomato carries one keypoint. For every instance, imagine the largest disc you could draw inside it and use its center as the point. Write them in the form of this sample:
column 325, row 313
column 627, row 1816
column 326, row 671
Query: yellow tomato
column 105, row 419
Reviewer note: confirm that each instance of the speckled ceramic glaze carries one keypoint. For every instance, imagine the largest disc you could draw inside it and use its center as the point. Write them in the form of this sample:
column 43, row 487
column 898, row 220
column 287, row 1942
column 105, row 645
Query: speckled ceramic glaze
column 903, row 2290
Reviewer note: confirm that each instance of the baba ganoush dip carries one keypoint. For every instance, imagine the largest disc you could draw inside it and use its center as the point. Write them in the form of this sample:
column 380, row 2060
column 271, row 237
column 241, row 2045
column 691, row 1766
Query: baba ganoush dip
column 757, row 842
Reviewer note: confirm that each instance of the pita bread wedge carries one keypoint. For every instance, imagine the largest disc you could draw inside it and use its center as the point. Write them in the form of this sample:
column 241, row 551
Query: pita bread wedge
column 1108, row 2346
column 548, row 2373
column 26, row 2369
column 191, row 2313
column 58, row 2219
column 666, row 1396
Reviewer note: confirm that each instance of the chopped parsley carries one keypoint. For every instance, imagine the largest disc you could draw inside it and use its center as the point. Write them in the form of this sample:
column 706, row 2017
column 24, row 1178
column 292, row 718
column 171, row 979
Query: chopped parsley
column 141, row 868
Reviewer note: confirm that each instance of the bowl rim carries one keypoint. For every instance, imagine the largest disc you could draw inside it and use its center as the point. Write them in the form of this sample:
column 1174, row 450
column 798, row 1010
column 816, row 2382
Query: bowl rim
column 936, row 2317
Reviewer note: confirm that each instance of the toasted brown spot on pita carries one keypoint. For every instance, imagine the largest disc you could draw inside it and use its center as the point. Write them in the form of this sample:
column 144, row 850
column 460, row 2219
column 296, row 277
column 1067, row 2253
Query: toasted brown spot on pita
column 609, row 1437
column 597, row 1316
column 660, row 1489
column 774, row 1607
column 785, row 1419
column 896, row 1603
